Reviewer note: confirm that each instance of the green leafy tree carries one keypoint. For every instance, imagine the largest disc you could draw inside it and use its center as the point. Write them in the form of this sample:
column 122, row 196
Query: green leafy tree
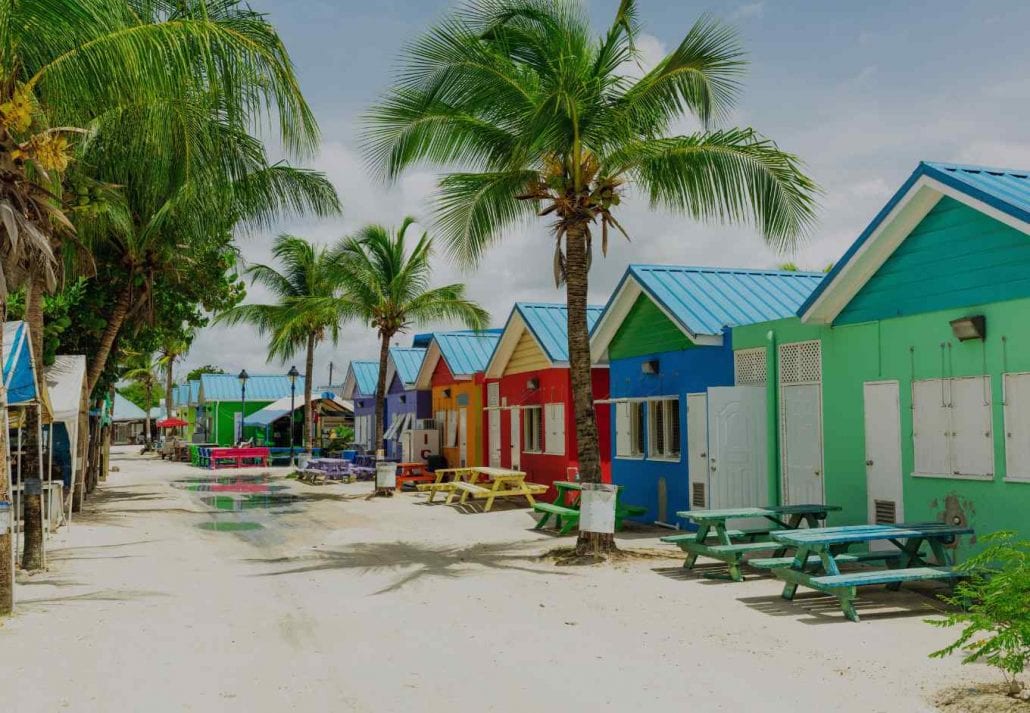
column 544, row 119
column 993, row 608
column 387, row 288
column 194, row 374
column 305, row 313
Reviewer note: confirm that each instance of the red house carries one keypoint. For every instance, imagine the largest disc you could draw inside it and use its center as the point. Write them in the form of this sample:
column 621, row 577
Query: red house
column 528, row 417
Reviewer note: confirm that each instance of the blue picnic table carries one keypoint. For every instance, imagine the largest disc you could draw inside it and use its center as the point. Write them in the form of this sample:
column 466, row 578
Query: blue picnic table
column 711, row 525
column 820, row 551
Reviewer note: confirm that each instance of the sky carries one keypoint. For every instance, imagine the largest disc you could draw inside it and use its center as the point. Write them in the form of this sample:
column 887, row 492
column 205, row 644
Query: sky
column 860, row 91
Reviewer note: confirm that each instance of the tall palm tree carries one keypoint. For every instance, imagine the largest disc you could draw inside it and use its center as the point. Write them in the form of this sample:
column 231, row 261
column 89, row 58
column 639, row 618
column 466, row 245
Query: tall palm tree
column 387, row 288
column 546, row 120
column 305, row 312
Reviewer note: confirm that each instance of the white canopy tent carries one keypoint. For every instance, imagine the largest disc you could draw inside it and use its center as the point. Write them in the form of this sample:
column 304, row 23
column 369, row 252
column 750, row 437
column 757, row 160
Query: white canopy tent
column 66, row 380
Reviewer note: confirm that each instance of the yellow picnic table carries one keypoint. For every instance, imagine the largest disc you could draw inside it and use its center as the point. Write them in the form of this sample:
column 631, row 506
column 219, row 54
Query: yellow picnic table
column 504, row 483
column 446, row 478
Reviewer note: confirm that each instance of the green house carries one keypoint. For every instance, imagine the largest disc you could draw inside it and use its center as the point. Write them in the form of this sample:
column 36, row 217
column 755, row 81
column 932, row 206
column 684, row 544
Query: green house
column 222, row 404
column 901, row 391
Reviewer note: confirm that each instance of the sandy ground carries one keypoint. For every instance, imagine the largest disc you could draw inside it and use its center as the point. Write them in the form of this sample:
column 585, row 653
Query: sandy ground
column 156, row 601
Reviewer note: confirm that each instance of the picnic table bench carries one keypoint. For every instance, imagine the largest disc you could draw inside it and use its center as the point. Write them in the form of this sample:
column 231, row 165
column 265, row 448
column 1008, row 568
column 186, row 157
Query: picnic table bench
column 320, row 470
column 504, row 483
column 819, row 553
column 566, row 512
column 414, row 472
column 236, row 457
column 445, row 480
column 711, row 525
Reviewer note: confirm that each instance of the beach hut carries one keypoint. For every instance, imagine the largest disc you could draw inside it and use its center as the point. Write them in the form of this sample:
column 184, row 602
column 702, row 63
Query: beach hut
column 530, row 419
column 128, row 421
column 410, row 410
column 69, row 397
column 273, row 421
column 678, row 419
column 453, row 370
column 220, row 402
column 359, row 387
column 904, row 383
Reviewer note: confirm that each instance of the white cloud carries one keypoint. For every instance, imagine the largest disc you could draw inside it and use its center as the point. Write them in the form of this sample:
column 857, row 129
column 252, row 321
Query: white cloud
column 748, row 11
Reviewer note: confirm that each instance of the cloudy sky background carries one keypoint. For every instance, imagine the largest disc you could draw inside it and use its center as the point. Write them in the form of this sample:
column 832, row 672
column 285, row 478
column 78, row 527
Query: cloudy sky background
column 861, row 91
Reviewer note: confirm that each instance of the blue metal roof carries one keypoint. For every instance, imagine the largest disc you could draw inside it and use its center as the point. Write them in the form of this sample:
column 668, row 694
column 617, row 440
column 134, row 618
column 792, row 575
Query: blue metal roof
column 226, row 387
column 422, row 340
column 1007, row 190
column 366, row 376
column 407, row 361
column 467, row 352
column 549, row 323
column 704, row 300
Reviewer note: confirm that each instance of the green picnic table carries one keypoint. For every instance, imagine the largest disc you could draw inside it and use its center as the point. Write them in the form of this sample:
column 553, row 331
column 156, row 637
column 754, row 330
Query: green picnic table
column 819, row 552
column 711, row 524
column 565, row 507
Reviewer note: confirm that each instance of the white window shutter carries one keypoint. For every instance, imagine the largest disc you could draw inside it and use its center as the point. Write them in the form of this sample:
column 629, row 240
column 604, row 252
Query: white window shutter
column 931, row 427
column 555, row 425
column 622, row 434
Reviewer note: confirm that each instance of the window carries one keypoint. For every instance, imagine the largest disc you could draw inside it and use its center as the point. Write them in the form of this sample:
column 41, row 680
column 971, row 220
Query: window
column 664, row 429
column 554, row 422
column 951, row 427
column 749, row 367
column 629, row 429
column 531, row 428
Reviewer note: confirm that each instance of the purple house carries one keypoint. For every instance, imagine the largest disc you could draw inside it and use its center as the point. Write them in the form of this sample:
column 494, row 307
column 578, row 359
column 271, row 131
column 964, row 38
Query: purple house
column 360, row 387
column 404, row 403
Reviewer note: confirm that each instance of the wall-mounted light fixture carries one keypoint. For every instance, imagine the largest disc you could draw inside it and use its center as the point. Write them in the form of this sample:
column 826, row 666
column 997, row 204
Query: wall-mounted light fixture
column 532, row 384
column 649, row 367
column 404, row 398
column 447, row 393
column 967, row 328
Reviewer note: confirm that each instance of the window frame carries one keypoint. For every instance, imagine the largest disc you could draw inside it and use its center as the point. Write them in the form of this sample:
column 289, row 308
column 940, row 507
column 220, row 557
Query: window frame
column 669, row 430
column 532, row 417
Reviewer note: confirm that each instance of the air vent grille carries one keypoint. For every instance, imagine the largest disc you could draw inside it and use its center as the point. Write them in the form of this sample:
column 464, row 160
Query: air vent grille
column 886, row 512
column 697, row 495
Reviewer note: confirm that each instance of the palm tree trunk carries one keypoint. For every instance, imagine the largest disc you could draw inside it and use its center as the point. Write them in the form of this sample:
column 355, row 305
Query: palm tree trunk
column 114, row 324
column 384, row 353
column 309, row 374
column 6, row 541
column 588, row 450
column 32, row 466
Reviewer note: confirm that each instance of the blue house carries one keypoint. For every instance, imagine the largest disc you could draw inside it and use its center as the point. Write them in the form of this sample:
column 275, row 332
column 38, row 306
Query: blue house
column 404, row 403
column 360, row 387
column 677, row 386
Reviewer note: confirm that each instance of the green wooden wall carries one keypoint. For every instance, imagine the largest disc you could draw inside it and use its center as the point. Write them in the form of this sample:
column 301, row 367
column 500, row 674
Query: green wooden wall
column 956, row 256
column 646, row 330
column 223, row 418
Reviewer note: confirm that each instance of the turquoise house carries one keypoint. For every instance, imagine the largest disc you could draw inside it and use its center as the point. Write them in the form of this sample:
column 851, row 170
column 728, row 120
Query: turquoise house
column 901, row 389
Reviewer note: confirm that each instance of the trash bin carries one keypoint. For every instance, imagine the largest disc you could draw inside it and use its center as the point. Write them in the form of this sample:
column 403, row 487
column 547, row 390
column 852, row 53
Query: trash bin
column 386, row 476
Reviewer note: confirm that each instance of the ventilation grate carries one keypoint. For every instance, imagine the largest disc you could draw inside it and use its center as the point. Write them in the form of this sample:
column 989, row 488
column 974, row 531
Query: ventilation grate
column 886, row 512
column 749, row 367
column 697, row 495
column 801, row 363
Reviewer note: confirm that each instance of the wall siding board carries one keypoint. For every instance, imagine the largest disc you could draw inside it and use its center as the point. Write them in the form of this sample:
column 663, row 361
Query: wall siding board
column 955, row 257
column 527, row 356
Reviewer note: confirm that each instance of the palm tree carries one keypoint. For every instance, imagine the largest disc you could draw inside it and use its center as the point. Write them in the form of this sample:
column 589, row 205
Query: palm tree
column 143, row 370
column 305, row 312
column 387, row 288
column 545, row 120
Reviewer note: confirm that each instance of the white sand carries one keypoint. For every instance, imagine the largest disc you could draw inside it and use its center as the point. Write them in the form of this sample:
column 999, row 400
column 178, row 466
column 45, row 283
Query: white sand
column 344, row 604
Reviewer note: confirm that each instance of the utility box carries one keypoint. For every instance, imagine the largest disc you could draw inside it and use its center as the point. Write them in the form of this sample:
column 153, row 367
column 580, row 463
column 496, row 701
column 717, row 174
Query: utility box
column 418, row 444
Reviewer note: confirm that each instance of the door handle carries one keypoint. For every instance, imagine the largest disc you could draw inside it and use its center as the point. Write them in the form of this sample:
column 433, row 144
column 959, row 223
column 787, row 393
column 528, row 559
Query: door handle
column 702, row 455
column 869, row 462
column 818, row 473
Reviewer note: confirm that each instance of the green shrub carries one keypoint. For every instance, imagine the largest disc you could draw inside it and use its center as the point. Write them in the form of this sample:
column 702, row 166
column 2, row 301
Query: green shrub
column 994, row 608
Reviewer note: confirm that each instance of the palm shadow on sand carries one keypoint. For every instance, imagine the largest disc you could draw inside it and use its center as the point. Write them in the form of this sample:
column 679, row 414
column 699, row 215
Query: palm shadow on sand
column 380, row 557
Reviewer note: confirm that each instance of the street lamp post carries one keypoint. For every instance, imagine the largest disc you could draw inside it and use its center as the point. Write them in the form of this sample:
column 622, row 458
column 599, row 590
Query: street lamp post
column 292, row 374
column 243, row 376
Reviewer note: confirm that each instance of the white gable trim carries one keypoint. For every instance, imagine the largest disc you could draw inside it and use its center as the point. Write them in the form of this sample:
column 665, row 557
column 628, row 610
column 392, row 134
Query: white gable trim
column 888, row 236
column 424, row 380
column 349, row 384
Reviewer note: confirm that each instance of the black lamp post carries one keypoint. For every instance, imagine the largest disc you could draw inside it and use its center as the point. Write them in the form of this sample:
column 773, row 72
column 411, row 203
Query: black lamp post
column 243, row 376
column 292, row 374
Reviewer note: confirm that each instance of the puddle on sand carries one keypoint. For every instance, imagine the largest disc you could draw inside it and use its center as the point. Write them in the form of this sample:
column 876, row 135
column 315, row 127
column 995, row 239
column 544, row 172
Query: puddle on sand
column 230, row 526
column 248, row 501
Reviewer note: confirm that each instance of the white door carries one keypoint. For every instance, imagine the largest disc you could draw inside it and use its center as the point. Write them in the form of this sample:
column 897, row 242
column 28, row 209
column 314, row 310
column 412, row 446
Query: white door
column 697, row 449
column 883, row 452
column 801, row 443
column 493, row 417
column 463, row 436
column 1017, row 426
column 738, row 469
column 516, row 438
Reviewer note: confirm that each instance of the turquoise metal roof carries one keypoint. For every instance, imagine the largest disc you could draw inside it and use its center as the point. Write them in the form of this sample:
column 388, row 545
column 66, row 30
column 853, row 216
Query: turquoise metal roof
column 194, row 392
column 704, row 300
column 1006, row 190
column 549, row 323
column 407, row 361
column 366, row 376
column 467, row 352
column 226, row 387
